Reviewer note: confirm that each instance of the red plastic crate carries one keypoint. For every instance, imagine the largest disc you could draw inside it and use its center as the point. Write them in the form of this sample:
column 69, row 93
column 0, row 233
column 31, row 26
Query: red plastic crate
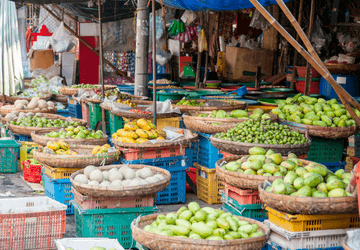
column 302, row 72
column 304, row 156
column 357, row 177
column 85, row 112
column 87, row 202
column 191, row 172
column 314, row 88
column 31, row 172
column 130, row 154
column 244, row 197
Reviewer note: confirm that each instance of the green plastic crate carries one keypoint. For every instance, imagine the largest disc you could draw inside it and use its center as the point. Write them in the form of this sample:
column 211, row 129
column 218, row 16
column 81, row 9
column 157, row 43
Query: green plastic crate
column 326, row 150
column 95, row 113
column 248, row 210
column 9, row 155
column 116, row 123
column 111, row 223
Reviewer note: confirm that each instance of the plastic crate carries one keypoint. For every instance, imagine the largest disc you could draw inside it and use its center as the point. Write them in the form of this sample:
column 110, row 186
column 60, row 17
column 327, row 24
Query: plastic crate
column 130, row 154
column 87, row 243
column 85, row 112
column 326, row 150
column 176, row 191
column 247, row 210
column 31, row 172
column 262, row 219
column 295, row 223
column 27, row 150
column 334, row 166
column 274, row 246
column 25, row 138
column 95, row 113
column 242, row 196
column 318, row 239
column 116, row 123
column 74, row 108
column 208, row 155
column 59, row 190
column 191, row 172
column 208, row 185
column 111, row 223
column 9, row 154
column 191, row 153
column 171, row 122
column 87, row 202
column 59, row 173
column 63, row 112
column 31, row 223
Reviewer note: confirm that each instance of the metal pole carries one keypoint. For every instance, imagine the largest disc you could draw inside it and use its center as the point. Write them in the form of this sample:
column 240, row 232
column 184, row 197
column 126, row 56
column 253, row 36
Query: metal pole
column 61, row 55
column 154, row 57
column 142, row 49
column 101, row 75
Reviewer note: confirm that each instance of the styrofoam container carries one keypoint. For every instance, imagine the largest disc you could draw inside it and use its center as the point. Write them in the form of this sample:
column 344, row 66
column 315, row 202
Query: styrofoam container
column 87, row 243
column 305, row 239
column 29, row 205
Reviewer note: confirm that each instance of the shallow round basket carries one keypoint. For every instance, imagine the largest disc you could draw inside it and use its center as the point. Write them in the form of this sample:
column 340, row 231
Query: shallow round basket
column 22, row 130
column 160, row 242
column 161, row 143
column 68, row 91
column 113, row 192
column 242, row 148
column 233, row 104
column 343, row 69
column 309, row 205
column 205, row 124
column 239, row 180
column 3, row 120
column 142, row 102
column 5, row 111
column 319, row 131
column 83, row 159
column 120, row 113
column 59, row 98
column 40, row 138
column 105, row 107
column 13, row 99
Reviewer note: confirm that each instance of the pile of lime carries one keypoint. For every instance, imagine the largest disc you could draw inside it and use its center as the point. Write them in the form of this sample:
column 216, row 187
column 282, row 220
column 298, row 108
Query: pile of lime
column 79, row 132
column 39, row 122
column 190, row 103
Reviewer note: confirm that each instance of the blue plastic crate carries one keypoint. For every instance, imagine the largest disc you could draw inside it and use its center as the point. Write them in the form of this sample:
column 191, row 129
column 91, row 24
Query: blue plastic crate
column 63, row 112
column 74, row 108
column 20, row 137
column 192, row 154
column 273, row 246
column 59, row 190
column 176, row 191
column 334, row 166
column 349, row 82
column 208, row 155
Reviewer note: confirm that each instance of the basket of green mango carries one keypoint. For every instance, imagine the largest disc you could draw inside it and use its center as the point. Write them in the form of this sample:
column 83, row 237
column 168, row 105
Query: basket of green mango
column 187, row 105
column 218, row 121
column 199, row 228
column 321, row 118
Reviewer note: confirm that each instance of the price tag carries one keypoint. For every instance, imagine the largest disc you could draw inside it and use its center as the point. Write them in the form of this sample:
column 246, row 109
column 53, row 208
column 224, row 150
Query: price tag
column 341, row 80
column 183, row 163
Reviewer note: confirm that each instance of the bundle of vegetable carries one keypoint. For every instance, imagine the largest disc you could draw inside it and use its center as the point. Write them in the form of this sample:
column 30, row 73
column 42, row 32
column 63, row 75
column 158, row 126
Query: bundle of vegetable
column 313, row 111
column 79, row 132
column 256, row 114
column 263, row 132
column 139, row 132
column 203, row 223
column 59, row 148
column 36, row 121
column 189, row 103
column 118, row 177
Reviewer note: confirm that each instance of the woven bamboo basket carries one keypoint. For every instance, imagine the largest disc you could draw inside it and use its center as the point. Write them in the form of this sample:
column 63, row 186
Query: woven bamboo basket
column 160, row 242
column 233, row 105
column 3, row 120
column 40, row 138
column 105, row 107
column 309, row 205
column 72, row 91
column 13, row 99
column 242, row 148
column 144, row 116
column 113, row 192
column 59, row 98
column 205, row 124
column 191, row 137
column 142, row 102
column 323, row 132
column 22, row 130
column 343, row 69
column 83, row 159
column 10, row 108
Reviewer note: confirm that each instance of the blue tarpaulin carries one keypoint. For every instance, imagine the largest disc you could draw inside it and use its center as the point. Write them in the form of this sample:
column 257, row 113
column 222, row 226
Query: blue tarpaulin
column 215, row 5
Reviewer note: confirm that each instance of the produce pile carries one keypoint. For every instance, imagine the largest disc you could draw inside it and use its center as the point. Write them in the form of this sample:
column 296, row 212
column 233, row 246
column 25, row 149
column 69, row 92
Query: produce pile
column 256, row 114
column 35, row 82
column 203, row 223
column 127, row 102
column 35, row 104
column 114, row 92
column 263, row 132
column 162, row 81
column 139, row 111
column 260, row 162
column 78, row 132
column 35, row 121
column 313, row 111
column 118, row 177
column 84, row 86
column 59, row 148
column 190, row 103
column 16, row 114
column 138, row 132
column 100, row 149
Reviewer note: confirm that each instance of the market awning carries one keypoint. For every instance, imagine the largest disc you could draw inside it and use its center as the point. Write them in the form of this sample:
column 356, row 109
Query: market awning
column 215, row 5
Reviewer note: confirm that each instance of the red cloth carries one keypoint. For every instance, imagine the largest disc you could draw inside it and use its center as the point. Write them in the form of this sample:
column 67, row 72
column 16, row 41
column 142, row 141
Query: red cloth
column 28, row 38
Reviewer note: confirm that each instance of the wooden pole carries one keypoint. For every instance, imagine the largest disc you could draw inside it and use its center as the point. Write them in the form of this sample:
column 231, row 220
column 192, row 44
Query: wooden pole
column 317, row 65
column 206, row 28
column 308, row 67
column 293, row 75
column 198, row 66
column 123, row 74
column 154, row 58
column 101, row 75
column 314, row 60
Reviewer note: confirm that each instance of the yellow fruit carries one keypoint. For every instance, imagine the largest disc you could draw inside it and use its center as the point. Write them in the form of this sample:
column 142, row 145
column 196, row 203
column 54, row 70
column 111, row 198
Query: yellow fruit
column 152, row 125
column 160, row 138
column 130, row 134
column 103, row 149
column 131, row 126
column 120, row 131
column 53, row 145
column 107, row 146
column 151, row 134
column 161, row 133
column 96, row 150
column 141, row 140
column 63, row 145
column 156, row 135
column 60, row 152
column 72, row 152
column 142, row 133
column 128, row 140
column 142, row 123
column 115, row 135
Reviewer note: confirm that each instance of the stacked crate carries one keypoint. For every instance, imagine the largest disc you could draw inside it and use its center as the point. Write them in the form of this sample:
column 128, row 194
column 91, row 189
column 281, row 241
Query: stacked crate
column 74, row 108
column 9, row 156
column 352, row 152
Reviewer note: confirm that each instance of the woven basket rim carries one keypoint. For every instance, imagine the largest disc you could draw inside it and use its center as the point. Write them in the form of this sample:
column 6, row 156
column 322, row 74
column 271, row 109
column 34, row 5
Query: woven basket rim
column 185, row 108
column 6, row 111
column 12, row 99
column 144, row 116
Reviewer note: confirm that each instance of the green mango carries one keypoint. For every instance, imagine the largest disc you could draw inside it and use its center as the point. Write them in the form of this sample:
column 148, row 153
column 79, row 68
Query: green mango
column 337, row 192
column 193, row 207
column 289, row 189
column 290, row 178
column 257, row 151
column 278, row 189
column 298, row 183
column 305, row 191
column 341, row 123
column 222, row 223
column 313, row 180
column 239, row 113
column 289, row 165
column 260, row 158
column 306, row 121
column 340, row 173
column 232, row 166
column 334, row 184
column 200, row 215
column 277, row 182
column 319, row 123
column 318, row 194
column 183, row 223
column 270, row 168
column 232, row 223
column 202, row 229
column 322, row 187
column 327, row 119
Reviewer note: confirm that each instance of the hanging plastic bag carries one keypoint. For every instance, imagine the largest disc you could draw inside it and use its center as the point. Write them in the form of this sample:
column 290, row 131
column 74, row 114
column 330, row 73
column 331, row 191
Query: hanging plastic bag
column 318, row 37
column 202, row 41
column 61, row 41
column 162, row 56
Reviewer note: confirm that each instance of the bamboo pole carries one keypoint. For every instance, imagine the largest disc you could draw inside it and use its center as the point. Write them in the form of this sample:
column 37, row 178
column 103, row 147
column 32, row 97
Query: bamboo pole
column 207, row 35
column 343, row 96
column 101, row 75
column 154, row 58
column 87, row 45
column 308, row 67
column 198, row 66
column 317, row 65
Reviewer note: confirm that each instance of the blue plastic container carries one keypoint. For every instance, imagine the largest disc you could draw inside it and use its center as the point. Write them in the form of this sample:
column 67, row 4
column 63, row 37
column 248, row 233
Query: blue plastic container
column 334, row 166
column 126, row 88
column 208, row 155
column 192, row 154
column 349, row 82
column 59, row 190
column 74, row 108
column 63, row 112
column 176, row 191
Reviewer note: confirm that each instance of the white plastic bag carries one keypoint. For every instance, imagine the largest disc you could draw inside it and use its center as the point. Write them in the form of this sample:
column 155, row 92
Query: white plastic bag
column 61, row 41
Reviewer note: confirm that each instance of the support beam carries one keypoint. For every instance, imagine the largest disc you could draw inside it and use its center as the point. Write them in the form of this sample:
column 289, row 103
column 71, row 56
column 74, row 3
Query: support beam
column 123, row 74
column 207, row 35
column 198, row 66
column 154, row 57
column 142, row 49
column 308, row 66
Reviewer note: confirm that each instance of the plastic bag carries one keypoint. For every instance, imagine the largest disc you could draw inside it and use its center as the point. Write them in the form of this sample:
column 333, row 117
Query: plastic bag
column 162, row 57
column 61, row 41
column 318, row 37
column 258, row 21
column 202, row 41
column 163, row 107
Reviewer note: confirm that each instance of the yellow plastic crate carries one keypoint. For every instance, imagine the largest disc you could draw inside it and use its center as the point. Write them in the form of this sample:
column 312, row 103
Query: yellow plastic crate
column 299, row 222
column 208, row 185
column 59, row 173
column 162, row 122
column 27, row 150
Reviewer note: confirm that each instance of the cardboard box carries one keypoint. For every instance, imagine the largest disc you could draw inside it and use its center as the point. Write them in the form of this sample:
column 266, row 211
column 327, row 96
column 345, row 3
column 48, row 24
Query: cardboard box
column 41, row 59
column 350, row 151
column 238, row 60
